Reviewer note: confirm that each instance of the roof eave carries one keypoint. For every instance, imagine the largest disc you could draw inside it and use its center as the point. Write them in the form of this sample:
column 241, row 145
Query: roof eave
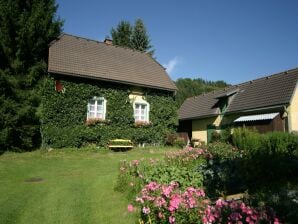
column 198, row 117
column 278, row 106
column 111, row 80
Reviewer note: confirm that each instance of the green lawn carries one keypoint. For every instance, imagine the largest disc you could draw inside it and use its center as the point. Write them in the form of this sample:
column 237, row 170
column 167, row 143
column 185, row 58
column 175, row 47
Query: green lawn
column 76, row 186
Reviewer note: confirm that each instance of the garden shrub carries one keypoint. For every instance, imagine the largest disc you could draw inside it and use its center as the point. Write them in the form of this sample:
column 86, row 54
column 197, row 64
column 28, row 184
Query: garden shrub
column 223, row 170
column 283, row 199
column 161, row 203
column 170, row 190
column 246, row 139
column 180, row 142
column 171, row 138
column 63, row 121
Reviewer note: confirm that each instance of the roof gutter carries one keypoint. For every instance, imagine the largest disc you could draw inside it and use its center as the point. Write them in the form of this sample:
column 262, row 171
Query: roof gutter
column 200, row 117
column 279, row 106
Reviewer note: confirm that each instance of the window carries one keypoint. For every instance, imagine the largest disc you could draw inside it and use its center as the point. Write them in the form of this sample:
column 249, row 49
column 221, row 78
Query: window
column 96, row 108
column 141, row 111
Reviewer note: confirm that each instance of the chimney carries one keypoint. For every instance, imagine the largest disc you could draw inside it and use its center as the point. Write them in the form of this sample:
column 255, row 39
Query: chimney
column 108, row 41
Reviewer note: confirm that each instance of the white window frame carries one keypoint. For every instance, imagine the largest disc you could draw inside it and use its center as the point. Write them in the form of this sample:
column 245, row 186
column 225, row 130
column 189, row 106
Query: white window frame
column 146, row 115
column 96, row 99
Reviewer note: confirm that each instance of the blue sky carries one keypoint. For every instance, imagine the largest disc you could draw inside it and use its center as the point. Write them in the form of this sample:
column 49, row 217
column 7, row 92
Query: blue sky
column 231, row 40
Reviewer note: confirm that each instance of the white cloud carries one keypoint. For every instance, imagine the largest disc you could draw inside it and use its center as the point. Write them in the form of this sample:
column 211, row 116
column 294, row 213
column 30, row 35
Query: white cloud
column 170, row 66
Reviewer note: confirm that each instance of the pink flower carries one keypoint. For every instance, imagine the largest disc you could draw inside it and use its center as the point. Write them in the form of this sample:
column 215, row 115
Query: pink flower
column 160, row 215
column 152, row 186
column 220, row 203
column 171, row 219
column 135, row 162
column 166, row 190
column 130, row 208
column 146, row 210
column 160, row 202
column 139, row 199
column 175, row 202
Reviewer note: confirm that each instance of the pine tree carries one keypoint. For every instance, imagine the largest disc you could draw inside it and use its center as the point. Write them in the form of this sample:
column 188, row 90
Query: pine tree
column 26, row 29
column 122, row 34
column 134, row 37
column 140, row 39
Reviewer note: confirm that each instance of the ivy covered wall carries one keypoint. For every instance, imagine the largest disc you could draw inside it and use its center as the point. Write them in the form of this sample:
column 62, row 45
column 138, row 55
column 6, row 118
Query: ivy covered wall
column 64, row 114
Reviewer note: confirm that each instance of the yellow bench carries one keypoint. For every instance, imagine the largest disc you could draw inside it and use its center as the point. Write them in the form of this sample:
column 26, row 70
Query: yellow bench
column 120, row 143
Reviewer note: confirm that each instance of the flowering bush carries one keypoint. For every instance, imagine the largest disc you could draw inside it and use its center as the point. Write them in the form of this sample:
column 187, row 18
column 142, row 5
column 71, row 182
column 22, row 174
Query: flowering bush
column 93, row 121
column 237, row 212
column 167, row 204
column 142, row 123
column 188, row 157
column 180, row 166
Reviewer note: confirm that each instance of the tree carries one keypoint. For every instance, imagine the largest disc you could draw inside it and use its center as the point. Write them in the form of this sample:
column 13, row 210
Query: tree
column 26, row 29
column 122, row 34
column 134, row 37
column 192, row 87
column 140, row 39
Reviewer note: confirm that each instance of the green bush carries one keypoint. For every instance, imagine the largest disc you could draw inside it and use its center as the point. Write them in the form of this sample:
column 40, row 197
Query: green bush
column 222, row 172
column 180, row 142
column 164, row 174
column 281, row 143
column 247, row 139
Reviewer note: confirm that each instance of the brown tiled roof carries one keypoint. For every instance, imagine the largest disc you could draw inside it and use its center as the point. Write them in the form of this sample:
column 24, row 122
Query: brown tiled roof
column 270, row 91
column 76, row 56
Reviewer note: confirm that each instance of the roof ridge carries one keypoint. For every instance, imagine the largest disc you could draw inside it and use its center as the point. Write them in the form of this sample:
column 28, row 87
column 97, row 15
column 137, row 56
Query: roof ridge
column 101, row 42
column 243, row 83
column 268, row 76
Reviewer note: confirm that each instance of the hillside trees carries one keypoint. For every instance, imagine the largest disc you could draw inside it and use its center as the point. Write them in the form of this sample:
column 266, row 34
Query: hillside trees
column 192, row 87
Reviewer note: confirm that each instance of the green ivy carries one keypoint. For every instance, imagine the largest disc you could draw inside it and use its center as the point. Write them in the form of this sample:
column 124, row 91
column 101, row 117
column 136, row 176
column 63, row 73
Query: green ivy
column 64, row 114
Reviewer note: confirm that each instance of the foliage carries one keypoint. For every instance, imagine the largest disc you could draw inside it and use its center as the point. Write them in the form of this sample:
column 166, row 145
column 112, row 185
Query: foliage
column 180, row 142
column 178, row 166
column 27, row 27
column 192, row 87
column 171, row 138
column 134, row 37
column 64, row 114
column 283, row 199
column 165, row 203
column 222, row 174
column 238, row 212
column 262, row 159
column 168, row 204
column 247, row 139
column 140, row 40
column 122, row 34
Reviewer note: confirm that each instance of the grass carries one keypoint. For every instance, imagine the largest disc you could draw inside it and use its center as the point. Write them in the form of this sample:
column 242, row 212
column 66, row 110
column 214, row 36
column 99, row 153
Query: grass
column 65, row 186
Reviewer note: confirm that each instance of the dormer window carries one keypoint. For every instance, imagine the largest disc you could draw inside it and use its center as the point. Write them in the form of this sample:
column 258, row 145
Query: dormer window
column 224, row 99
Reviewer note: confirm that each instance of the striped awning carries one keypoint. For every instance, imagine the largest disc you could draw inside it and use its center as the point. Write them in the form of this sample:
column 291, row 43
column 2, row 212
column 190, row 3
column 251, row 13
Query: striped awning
column 256, row 117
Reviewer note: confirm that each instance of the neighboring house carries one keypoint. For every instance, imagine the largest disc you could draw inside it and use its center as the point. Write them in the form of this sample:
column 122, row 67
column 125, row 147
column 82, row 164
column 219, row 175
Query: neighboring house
column 96, row 91
column 268, row 104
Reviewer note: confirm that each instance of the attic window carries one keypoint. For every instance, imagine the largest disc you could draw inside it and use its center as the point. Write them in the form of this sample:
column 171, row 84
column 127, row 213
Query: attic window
column 97, row 108
column 223, row 104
